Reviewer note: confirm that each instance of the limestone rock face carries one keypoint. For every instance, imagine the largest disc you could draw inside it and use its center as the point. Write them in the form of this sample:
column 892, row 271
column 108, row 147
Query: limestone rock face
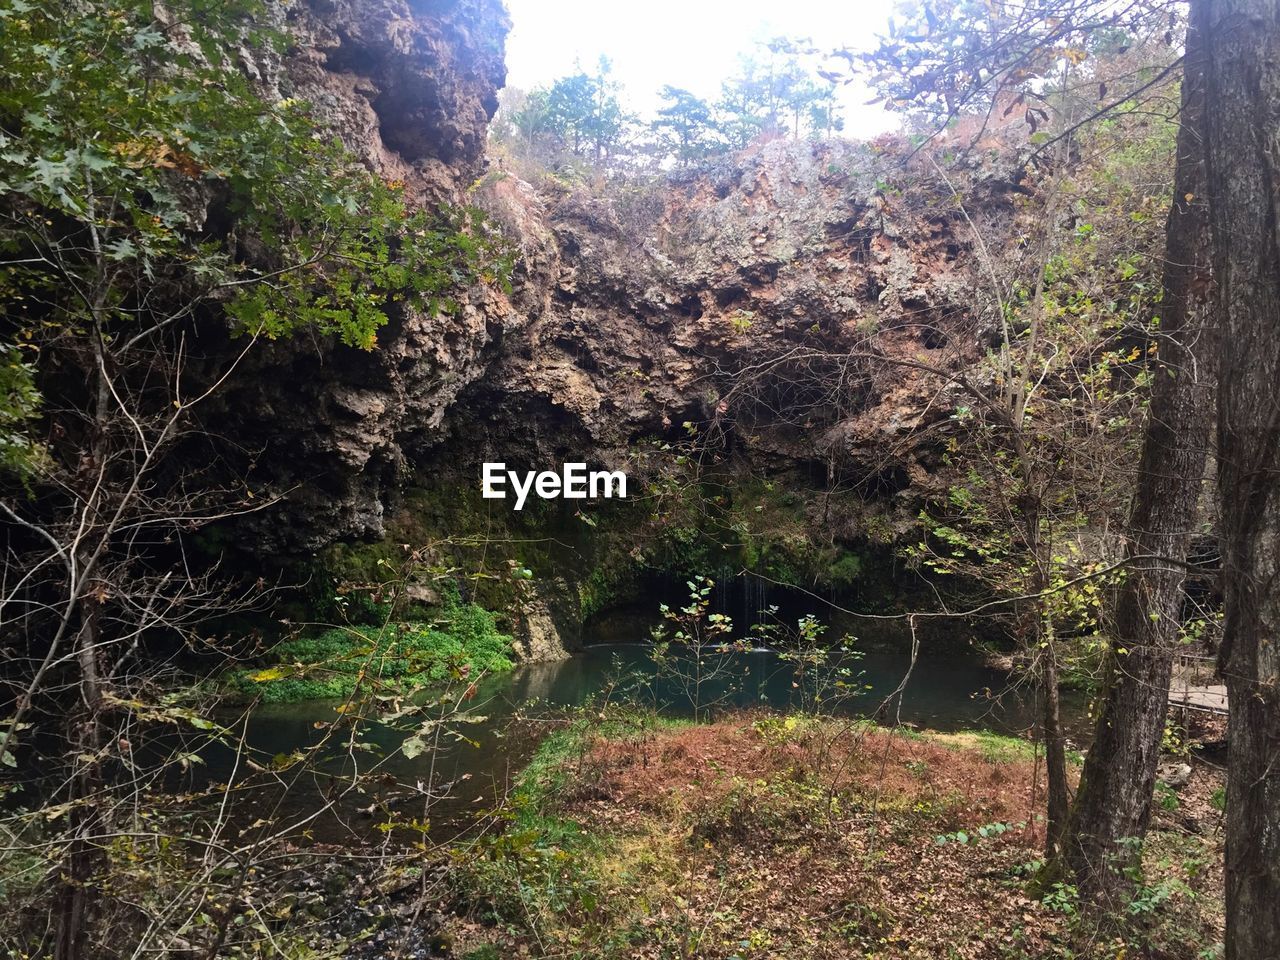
column 546, row 624
column 409, row 86
column 738, row 297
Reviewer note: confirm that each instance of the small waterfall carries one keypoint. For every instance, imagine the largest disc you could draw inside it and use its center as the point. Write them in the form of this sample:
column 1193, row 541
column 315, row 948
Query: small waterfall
column 755, row 599
column 742, row 596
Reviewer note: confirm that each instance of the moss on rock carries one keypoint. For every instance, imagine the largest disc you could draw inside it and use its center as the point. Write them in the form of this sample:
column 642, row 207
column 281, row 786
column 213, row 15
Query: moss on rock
column 462, row 640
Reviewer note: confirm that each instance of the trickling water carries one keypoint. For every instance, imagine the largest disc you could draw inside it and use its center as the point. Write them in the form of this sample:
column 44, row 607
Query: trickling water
column 742, row 596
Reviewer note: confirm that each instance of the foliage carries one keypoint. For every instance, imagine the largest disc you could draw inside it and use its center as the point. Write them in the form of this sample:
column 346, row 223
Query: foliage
column 1043, row 431
column 162, row 211
column 584, row 110
column 542, row 868
column 19, row 403
column 947, row 59
column 629, row 835
column 127, row 140
column 579, row 117
column 695, row 649
column 705, row 519
column 683, row 126
column 463, row 641
column 825, row 680
column 780, row 90
column 984, row 832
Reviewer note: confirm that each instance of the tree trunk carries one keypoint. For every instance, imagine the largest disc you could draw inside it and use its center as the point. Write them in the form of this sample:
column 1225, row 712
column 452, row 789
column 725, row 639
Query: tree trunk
column 1044, row 646
column 1055, row 752
column 1243, row 136
column 77, row 894
column 1113, row 802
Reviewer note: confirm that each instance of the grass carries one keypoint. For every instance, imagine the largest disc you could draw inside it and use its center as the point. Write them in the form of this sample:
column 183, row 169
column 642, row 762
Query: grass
column 756, row 837
column 399, row 657
column 547, row 868
column 997, row 747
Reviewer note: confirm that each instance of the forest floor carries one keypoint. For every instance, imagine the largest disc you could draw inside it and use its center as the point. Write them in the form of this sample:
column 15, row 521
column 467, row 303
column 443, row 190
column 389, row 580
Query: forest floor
column 760, row 836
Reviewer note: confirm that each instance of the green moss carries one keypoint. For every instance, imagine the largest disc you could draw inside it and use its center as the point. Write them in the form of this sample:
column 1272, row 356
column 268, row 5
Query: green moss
column 846, row 570
column 737, row 523
column 595, row 593
column 678, row 524
column 463, row 641
column 376, row 562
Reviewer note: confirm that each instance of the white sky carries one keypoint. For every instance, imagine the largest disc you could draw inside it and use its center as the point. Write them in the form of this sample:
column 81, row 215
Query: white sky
column 692, row 44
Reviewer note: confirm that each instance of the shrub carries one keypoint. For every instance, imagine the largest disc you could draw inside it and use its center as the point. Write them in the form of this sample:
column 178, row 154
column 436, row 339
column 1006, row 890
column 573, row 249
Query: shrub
column 399, row 657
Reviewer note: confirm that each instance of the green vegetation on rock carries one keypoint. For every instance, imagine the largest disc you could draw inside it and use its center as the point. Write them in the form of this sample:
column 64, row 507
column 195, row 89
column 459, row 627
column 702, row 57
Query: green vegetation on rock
column 400, row 657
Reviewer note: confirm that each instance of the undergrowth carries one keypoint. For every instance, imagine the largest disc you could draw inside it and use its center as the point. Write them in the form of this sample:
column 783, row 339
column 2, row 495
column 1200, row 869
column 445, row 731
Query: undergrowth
column 462, row 640
column 546, row 870
column 789, row 835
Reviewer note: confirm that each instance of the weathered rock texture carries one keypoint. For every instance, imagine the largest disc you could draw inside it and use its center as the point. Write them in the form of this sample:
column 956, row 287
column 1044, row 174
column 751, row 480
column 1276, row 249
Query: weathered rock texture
column 745, row 301
column 545, row 624
column 410, row 88
column 786, row 301
column 409, row 85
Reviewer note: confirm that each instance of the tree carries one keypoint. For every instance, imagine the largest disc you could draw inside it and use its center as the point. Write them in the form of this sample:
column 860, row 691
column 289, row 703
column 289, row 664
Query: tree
column 951, row 61
column 951, row 58
column 743, row 108
column 791, row 89
column 1040, row 448
column 825, row 116
column 1037, row 444
column 570, row 108
column 586, row 112
column 522, row 116
column 1113, row 803
column 158, row 219
column 683, row 126
column 1243, row 138
column 777, row 92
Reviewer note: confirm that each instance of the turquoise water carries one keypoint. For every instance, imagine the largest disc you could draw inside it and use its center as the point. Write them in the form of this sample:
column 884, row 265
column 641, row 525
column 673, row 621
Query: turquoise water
column 473, row 763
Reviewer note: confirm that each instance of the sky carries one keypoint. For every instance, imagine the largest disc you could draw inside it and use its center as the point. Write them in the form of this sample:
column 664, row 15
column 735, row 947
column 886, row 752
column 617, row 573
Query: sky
column 694, row 44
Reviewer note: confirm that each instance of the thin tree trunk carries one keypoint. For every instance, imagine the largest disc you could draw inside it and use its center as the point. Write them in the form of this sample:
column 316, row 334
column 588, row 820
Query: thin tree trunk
column 1113, row 802
column 76, row 894
column 1044, row 648
column 1055, row 752
column 1243, row 136
column 1043, row 639
column 76, row 897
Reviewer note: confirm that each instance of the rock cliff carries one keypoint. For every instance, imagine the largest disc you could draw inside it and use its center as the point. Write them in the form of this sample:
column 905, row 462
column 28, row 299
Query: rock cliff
column 748, row 304
column 409, row 87
column 787, row 299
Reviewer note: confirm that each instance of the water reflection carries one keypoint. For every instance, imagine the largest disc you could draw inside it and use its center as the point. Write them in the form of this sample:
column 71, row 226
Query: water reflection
column 944, row 692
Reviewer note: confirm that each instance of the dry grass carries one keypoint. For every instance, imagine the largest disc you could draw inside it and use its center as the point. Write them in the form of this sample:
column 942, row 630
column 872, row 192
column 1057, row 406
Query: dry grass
column 756, row 837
